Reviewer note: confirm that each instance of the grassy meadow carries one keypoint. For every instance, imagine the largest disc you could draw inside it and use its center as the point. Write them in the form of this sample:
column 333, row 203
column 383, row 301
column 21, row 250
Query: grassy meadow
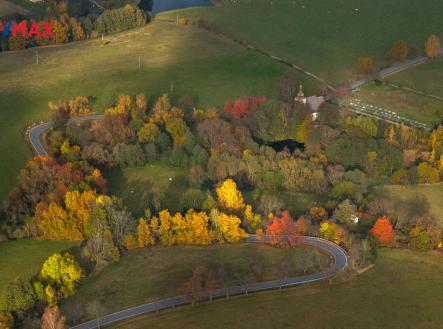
column 325, row 36
column 432, row 192
column 404, row 103
column 427, row 78
column 25, row 257
column 149, row 274
column 166, row 181
column 22, row 7
column 402, row 291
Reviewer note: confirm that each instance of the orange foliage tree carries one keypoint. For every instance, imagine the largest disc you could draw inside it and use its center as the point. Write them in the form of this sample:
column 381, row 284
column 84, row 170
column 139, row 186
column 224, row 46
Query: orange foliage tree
column 383, row 231
column 432, row 46
column 318, row 214
column 365, row 65
column 283, row 231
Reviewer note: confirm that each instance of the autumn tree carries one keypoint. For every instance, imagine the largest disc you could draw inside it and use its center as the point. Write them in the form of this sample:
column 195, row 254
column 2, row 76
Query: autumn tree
column 318, row 214
column 251, row 219
column 427, row 174
column 365, row 65
column 332, row 232
column 282, row 231
column 19, row 295
column 229, row 197
column 6, row 320
column 62, row 272
column 177, row 128
column 144, row 234
column 53, row 319
column 42, row 179
column 383, row 231
column 302, row 225
column 398, row 52
column 303, row 130
column 60, row 33
column 148, row 133
column 432, row 46
column 227, row 227
column 100, row 247
column 68, row 222
column 243, row 107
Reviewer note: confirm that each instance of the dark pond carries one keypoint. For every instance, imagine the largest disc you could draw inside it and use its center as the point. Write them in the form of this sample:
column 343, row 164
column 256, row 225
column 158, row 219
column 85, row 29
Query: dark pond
column 157, row 6
column 289, row 144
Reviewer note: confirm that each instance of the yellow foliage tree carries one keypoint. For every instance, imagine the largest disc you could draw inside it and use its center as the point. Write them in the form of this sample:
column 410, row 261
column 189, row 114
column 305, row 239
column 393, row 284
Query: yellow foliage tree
column 197, row 228
column 427, row 174
column 144, row 234
column 303, row 130
column 130, row 242
column 52, row 224
column 229, row 197
column 227, row 228
column 61, row 272
column 252, row 220
column 78, row 205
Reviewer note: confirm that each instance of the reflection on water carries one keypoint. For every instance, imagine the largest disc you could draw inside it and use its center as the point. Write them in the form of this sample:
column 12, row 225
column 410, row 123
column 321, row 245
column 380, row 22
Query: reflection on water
column 164, row 5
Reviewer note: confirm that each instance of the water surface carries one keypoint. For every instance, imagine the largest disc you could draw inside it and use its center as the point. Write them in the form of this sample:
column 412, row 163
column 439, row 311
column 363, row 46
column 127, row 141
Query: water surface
column 165, row 5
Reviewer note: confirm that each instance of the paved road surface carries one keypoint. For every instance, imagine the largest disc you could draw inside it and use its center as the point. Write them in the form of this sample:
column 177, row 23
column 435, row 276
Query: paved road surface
column 35, row 133
column 392, row 70
column 340, row 262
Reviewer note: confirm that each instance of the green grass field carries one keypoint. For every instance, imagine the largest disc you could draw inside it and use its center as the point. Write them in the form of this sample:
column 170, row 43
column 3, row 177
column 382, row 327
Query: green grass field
column 131, row 183
column 402, row 291
column 325, row 36
column 153, row 273
column 25, row 257
column 406, row 104
column 433, row 193
column 198, row 64
column 427, row 78
column 22, row 7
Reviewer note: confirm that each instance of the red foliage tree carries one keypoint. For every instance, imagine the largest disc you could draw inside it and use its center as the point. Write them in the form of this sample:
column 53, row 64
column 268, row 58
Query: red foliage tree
column 243, row 107
column 383, row 231
column 283, row 231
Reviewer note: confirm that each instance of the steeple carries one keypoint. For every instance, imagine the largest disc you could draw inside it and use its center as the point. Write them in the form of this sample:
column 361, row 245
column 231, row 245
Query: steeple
column 300, row 95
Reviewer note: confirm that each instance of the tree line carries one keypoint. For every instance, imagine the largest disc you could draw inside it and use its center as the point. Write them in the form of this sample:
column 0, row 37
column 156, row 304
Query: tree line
column 67, row 27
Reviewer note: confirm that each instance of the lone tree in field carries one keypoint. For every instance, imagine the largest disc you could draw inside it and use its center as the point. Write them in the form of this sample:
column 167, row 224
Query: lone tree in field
column 383, row 231
column 365, row 65
column 398, row 52
column 432, row 46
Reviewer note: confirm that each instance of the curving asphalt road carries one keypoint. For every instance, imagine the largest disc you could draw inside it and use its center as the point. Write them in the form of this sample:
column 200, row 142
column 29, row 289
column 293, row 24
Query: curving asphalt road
column 35, row 132
column 337, row 253
column 396, row 68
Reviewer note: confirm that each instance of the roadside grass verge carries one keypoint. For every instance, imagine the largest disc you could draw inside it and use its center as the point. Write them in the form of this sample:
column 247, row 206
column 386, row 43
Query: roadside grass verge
column 403, row 290
column 149, row 274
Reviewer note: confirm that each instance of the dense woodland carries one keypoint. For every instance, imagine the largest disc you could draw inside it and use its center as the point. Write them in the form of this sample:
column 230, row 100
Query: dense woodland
column 74, row 21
